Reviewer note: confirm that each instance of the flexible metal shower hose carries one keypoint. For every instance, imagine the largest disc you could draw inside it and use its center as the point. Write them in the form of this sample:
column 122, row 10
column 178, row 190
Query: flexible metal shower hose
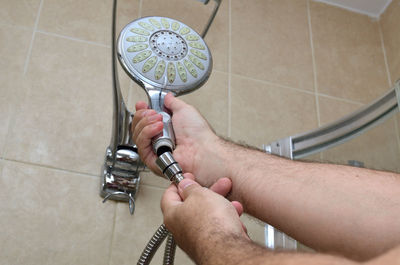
column 169, row 253
column 153, row 245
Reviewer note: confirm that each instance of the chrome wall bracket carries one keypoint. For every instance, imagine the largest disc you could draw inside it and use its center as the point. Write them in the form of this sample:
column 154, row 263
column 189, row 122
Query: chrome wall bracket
column 120, row 175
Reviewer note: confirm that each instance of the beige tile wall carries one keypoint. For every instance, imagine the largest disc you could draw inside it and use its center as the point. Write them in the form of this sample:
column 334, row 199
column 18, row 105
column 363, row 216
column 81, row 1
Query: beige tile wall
column 280, row 67
column 391, row 36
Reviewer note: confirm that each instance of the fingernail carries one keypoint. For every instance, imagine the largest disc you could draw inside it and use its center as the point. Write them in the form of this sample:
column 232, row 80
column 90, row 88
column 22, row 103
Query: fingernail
column 149, row 113
column 185, row 183
column 157, row 124
column 144, row 113
column 153, row 117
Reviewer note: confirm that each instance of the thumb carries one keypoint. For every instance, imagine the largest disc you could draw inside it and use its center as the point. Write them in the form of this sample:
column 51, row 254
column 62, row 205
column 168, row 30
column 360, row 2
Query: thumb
column 186, row 187
column 172, row 103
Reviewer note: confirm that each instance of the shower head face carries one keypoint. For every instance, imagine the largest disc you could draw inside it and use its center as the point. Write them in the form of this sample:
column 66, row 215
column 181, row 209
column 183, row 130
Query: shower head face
column 161, row 53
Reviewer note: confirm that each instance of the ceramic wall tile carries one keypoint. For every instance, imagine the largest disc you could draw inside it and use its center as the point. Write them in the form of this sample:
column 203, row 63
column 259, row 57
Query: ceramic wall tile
column 348, row 54
column 66, row 115
column 271, row 42
column 87, row 20
column 263, row 113
column 50, row 216
column 19, row 13
column 13, row 82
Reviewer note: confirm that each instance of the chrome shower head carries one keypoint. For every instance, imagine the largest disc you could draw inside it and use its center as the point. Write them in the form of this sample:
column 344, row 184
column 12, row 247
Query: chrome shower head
column 164, row 54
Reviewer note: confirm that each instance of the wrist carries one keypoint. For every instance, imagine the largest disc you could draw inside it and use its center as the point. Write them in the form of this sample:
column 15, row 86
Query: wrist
column 245, row 166
column 210, row 161
column 222, row 248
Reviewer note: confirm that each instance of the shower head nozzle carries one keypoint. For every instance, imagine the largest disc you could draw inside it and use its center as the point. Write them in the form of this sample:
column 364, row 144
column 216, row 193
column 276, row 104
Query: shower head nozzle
column 164, row 54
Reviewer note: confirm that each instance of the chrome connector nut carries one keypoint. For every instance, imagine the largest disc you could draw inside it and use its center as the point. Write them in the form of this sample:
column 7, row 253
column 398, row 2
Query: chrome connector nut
column 169, row 167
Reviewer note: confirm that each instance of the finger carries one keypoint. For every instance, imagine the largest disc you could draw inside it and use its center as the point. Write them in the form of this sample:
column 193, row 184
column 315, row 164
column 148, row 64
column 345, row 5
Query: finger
column 189, row 176
column 149, row 117
column 170, row 198
column 172, row 103
column 141, row 105
column 138, row 116
column 148, row 132
column 187, row 186
column 238, row 206
column 223, row 186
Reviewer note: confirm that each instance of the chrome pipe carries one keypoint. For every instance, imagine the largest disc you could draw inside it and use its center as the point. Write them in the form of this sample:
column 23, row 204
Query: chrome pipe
column 211, row 19
column 120, row 172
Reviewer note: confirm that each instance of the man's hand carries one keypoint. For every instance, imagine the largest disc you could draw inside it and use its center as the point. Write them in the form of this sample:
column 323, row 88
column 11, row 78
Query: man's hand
column 198, row 216
column 196, row 144
column 207, row 227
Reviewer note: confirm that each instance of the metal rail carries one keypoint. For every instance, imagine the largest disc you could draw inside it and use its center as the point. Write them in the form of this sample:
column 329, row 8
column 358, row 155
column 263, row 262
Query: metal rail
column 338, row 132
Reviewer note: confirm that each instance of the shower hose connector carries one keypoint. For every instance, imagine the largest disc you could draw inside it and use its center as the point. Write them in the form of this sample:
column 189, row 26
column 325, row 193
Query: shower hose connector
column 169, row 167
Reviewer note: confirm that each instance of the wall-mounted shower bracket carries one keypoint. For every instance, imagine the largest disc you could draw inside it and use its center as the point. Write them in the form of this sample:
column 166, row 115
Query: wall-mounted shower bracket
column 120, row 175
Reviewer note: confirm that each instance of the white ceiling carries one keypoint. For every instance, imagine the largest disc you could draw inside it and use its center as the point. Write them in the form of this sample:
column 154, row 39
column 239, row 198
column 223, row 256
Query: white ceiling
column 372, row 8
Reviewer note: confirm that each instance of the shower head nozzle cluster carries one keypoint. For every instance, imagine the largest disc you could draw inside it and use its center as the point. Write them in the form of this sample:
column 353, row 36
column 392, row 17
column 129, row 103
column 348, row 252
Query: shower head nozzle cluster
column 164, row 53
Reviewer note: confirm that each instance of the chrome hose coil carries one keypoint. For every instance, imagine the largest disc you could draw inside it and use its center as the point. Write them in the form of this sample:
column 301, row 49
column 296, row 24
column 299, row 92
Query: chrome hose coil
column 153, row 245
column 169, row 253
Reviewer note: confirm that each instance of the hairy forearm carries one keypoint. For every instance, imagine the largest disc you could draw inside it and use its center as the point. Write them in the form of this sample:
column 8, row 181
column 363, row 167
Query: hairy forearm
column 221, row 249
column 333, row 208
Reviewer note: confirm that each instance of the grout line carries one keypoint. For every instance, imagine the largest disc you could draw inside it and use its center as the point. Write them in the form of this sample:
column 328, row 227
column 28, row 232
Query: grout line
column 72, row 38
column 230, row 68
column 296, row 89
column 341, row 99
column 388, row 2
column 274, row 84
column 314, row 64
column 50, row 167
column 28, row 56
column 112, row 234
column 384, row 55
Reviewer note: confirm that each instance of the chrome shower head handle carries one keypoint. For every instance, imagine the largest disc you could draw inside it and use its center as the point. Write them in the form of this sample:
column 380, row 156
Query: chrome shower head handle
column 165, row 141
column 164, row 55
